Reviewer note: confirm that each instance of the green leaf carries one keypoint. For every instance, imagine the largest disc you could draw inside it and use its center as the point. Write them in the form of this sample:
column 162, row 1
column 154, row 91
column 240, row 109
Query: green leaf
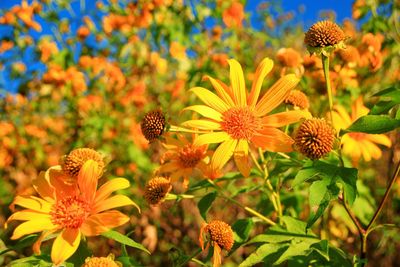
column 296, row 249
column 242, row 228
column 264, row 251
column 373, row 124
column 205, row 204
column 294, row 225
column 321, row 248
column 124, row 240
column 321, row 193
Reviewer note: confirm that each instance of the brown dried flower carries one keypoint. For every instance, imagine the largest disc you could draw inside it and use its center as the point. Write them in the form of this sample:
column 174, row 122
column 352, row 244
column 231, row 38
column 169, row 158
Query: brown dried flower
column 153, row 125
column 156, row 190
column 314, row 138
column 324, row 33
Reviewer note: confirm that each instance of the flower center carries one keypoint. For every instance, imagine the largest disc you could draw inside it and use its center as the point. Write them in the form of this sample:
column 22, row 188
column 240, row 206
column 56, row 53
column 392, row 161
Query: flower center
column 189, row 156
column 70, row 212
column 240, row 123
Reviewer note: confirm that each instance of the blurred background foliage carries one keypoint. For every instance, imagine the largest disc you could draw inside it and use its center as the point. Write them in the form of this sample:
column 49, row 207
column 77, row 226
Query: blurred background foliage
column 86, row 72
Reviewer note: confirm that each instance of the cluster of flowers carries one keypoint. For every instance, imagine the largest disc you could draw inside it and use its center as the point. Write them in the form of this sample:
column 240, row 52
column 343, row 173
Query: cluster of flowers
column 237, row 121
column 70, row 205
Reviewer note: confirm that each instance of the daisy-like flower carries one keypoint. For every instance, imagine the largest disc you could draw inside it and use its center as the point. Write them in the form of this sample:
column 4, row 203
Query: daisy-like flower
column 70, row 211
column 356, row 144
column 220, row 235
column 182, row 158
column 238, row 118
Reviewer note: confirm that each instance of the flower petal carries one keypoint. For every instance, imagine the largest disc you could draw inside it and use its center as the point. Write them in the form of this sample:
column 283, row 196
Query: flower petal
column 65, row 245
column 211, row 138
column 88, row 178
column 206, row 112
column 285, row 118
column 341, row 119
column 38, row 242
column 113, row 202
column 210, row 99
column 223, row 90
column 33, row 203
column 223, row 153
column 276, row 94
column 27, row 215
column 103, row 222
column 202, row 124
column 43, row 187
column 274, row 140
column 113, row 185
column 379, row 139
column 237, row 83
column 217, row 255
column 262, row 70
column 33, row 226
column 241, row 157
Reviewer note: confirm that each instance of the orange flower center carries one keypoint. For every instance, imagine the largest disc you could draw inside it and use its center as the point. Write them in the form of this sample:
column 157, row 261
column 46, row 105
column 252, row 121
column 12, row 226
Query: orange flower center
column 70, row 212
column 189, row 156
column 240, row 123
column 357, row 136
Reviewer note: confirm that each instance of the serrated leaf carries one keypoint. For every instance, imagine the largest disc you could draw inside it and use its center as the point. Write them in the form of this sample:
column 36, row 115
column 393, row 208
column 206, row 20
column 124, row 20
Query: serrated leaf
column 373, row 124
column 205, row 204
column 124, row 240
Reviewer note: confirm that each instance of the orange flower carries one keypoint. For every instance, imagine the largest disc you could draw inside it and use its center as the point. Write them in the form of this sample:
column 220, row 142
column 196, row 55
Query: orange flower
column 182, row 158
column 70, row 211
column 5, row 46
column 238, row 119
column 221, row 237
column 355, row 144
column 177, row 50
column 47, row 48
column 233, row 15
column 25, row 14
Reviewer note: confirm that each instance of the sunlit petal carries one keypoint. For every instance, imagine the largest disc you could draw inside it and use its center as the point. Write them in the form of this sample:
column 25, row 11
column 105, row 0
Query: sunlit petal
column 379, row 139
column 113, row 202
column 211, row 138
column 223, row 153
column 65, row 245
column 206, row 112
column 87, row 179
column 274, row 140
column 113, row 185
column 276, row 94
column 237, row 83
column 210, row 99
column 103, row 222
column 202, row 124
column 33, row 226
column 33, row 203
column 223, row 90
column 285, row 118
column 262, row 70
column 241, row 157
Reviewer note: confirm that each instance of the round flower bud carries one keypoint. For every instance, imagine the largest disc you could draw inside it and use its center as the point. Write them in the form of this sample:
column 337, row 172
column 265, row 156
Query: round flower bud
column 156, row 190
column 153, row 125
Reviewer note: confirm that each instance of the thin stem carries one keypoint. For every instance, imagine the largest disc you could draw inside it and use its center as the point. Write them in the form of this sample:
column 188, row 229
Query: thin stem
column 380, row 207
column 191, row 257
column 325, row 64
column 360, row 229
column 248, row 209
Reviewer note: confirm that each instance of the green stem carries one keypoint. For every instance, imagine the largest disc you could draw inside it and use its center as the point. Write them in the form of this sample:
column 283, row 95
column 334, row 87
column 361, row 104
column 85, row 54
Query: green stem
column 380, row 207
column 325, row 64
column 248, row 209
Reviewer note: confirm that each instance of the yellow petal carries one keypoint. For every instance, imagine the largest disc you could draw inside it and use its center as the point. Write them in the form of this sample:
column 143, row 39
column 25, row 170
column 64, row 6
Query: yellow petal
column 217, row 255
column 274, row 140
column 237, row 83
column 379, row 139
column 33, row 203
column 222, row 89
column 223, row 153
column 210, row 99
column 211, row 138
column 285, row 118
column 113, row 185
column 374, row 150
column 358, row 109
column 342, row 117
column 43, row 187
column 206, row 112
column 34, row 226
column 87, row 179
column 262, row 70
column 38, row 242
column 365, row 151
column 65, row 245
column 202, row 124
column 276, row 94
column 351, row 148
column 103, row 222
column 241, row 157
column 27, row 215
column 113, row 202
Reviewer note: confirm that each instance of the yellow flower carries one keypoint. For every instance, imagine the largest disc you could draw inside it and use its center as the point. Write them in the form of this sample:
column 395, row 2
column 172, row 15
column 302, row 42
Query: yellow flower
column 358, row 144
column 220, row 235
column 182, row 158
column 238, row 118
column 102, row 262
column 70, row 211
